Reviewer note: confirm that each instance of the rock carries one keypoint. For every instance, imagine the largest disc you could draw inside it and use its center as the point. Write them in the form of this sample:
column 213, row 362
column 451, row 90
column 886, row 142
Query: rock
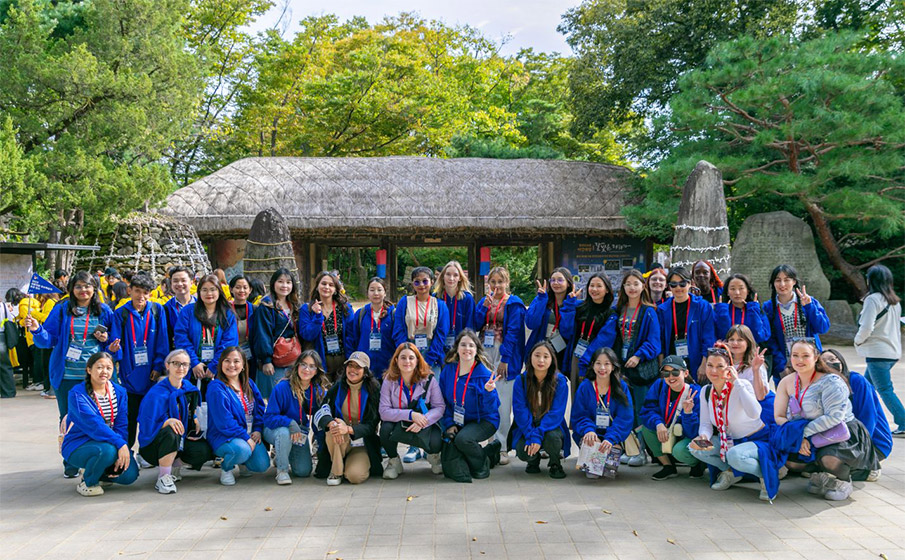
column 702, row 231
column 268, row 248
column 842, row 323
column 768, row 240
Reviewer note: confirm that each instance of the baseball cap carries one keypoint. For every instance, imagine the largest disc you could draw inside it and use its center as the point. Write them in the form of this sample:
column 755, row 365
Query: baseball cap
column 360, row 358
column 674, row 362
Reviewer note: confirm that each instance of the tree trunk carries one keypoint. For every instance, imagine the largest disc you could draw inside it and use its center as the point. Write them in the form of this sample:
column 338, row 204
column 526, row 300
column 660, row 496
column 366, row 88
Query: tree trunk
column 851, row 274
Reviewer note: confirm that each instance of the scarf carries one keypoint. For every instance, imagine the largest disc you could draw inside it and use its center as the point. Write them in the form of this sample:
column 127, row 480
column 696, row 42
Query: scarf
column 721, row 417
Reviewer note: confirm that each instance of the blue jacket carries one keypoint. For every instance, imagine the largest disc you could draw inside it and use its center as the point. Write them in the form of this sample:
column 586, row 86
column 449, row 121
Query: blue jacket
column 465, row 312
column 268, row 324
column 86, row 421
column 162, row 402
column 785, row 440
column 436, row 351
column 816, row 323
column 754, row 320
column 173, row 309
column 584, row 414
column 537, row 318
column 866, row 408
column 54, row 333
column 226, row 416
column 479, row 404
column 361, row 338
column 311, row 329
column 285, row 411
column 700, row 330
column 137, row 379
column 189, row 332
column 653, row 410
column 606, row 338
column 512, row 350
column 554, row 419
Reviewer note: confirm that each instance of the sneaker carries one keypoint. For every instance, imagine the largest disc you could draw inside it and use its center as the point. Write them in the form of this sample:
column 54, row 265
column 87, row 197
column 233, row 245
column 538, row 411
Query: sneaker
column 763, row 496
column 166, row 484
column 818, row 483
column 637, row 460
column 873, row 476
column 85, row 490
column 840, row 491
column 48, row 395
column 383, row 453
column 217, row 462
column 227, row 478
column 724, row 480
column 176, row 473
column 34, row 387
column 142, row 463
column 71, row 472
column 783, row 472
column 624, row 459
column 244, row 472
column 283, row 478
column 434, row 460
column 556, row 471
column 899, row 433
column 698, row 470
column 504, row 458
column 533, row 468
column 668, row 471
column 412, row 455
column 334, row 480
column 393, row 469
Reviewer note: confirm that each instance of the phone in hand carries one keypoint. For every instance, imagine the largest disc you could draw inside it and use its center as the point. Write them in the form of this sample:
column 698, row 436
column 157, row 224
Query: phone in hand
column 703, row 443
column 100, row 329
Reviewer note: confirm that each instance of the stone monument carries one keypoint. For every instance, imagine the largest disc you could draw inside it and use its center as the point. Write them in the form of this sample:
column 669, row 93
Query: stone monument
column 702, row 230
column 268, row 247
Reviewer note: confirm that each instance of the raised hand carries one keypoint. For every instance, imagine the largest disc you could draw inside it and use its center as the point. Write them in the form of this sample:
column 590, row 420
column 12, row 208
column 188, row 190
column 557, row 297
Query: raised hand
column 759, row 359
column 317, row 307
column 542, row 288
column 32, row 324
column 688, row 403
column 114, row 346
column 576, row 294
column 491, row 383
column 803, row 295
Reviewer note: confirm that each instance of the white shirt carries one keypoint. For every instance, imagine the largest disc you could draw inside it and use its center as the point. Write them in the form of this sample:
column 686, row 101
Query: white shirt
column 744, row 411
column 748, row 375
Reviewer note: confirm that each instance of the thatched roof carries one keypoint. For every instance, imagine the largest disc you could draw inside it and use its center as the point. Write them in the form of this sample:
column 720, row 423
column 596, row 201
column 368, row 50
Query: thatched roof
column 406, row 195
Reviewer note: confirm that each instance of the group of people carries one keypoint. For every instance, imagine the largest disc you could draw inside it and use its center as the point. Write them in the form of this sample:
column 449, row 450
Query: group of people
column 677, row 365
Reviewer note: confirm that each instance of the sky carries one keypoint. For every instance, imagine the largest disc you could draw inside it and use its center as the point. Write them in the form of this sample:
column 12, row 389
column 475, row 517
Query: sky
column 527, row 23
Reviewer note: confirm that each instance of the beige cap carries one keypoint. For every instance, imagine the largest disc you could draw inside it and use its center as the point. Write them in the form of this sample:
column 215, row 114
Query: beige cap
column 360, row 358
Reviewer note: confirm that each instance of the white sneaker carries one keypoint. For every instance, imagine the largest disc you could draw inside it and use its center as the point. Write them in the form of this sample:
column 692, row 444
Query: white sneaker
column 393, row 469
column 638, row 460
column 166, row 484
column 176, row 473
column 283, row 478
column 763, row 496
column 34, row 387
column 725, row 480
column 873, row 476
column 142, row 463
column 504, row 457
column 840, row 491
column 818, row 483
column 227, row 478
column 434, row 460
column 783, row 472
column 85, row 490
column 334, row 480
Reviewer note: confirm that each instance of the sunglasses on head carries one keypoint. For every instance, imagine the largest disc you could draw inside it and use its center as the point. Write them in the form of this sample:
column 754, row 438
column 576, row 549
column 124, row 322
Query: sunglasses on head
column 680, row 284
column 807, row 339
column 671, row 373
column 717, row 350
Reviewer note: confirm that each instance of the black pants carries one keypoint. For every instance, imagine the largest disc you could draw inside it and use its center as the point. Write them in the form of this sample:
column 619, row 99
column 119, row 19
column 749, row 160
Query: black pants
column 194, row 452
column 466, row 445
column 390, row 443
column 134, row 403
column 552, row 444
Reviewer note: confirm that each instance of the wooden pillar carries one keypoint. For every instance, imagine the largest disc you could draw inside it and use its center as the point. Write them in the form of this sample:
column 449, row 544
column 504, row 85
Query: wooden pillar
column 473, row 264
column 392, row 269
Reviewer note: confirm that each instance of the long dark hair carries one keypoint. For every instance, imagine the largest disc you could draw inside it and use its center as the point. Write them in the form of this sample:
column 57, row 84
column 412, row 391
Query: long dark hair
column 368, row 381
column 546, row 388
column 243, row 375
column 615, row 375
column 94, row 304
column 386, row 289
column 607, row 299
column 879, row 281
column 844, row 373
column 95, row 358
column 789, row 271
column 221, row 308
column 751, row 293
column 339, row 298
column 292, row 298
column 452, row 355
column 622, row 302
column 570, row 285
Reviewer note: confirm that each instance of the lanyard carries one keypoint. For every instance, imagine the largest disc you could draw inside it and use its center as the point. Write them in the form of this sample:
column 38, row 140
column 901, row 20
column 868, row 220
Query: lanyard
column 109, row 401
column 147, row 320
column 556, row 313
column 455, row 308
column 335, row 328
column 349, row 400
column 426, row 309
column 583, row 323
column 241, row 396
column 247, row 310
column 687, row 317
column 310, row 405
column 712, row 295
column 210, row 332
column 72, row 328
column 402, row 389
column 798, row 398
column 495, row 312
column 743, row 315
column 456, row 384
column 782, row 324
column 669, row 414
column 628, row 326
column 378, row 318
column 597, row 392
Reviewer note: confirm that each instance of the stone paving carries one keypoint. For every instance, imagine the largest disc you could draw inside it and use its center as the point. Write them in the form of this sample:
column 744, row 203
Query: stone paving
column 509, row 515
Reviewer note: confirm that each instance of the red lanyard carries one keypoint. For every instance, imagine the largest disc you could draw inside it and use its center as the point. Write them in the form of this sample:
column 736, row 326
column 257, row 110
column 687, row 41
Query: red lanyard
column 72, row 327
column 241, row 395
column 687, row 317
column 627, row 326
column 109, row 401
column 147, row 319
column 426, row 308
column 247, row 310
column 556, row 313
column 743, row 315
column 668, row 414
column 402, row 389
column 335, row 328
column 782, row 323
column 583, row 323
column 607, row 394
column 310, row 404
column 495, row 312
column 722, row 421
column 456, row 384
column 712, row 295
column 211, row 332
column 349, row 400
column 798, row 388
column 378, row 319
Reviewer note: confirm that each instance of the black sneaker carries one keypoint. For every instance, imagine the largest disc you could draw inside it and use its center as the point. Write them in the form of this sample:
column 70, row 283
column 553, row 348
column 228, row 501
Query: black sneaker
column 556, row 471
column 697, row 471
column 668, row 471
column 533, row 468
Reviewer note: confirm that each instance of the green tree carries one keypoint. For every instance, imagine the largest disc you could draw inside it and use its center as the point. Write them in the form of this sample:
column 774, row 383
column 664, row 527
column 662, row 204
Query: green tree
column 16, row 173
column 814, row 127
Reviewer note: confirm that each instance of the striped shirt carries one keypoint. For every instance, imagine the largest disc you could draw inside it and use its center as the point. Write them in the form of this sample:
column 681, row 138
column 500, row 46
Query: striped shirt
column 107, row 406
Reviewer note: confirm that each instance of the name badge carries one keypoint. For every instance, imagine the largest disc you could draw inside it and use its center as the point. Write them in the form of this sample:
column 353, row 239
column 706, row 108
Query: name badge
column 374, row 342
column 74, row 353
column 625, row 353
column 558, row 342
column 304, row 440
column 450, row 340
column 141, row 356
column 181, row 442
column 249, row 421
column 459, row 415
column 332, row 343
column 246, row 349
column 421, row 342
column 603, row 417
column 360, row 442
column 682, row 348
column 580, row 348
column 207, row 353
column 489, row 338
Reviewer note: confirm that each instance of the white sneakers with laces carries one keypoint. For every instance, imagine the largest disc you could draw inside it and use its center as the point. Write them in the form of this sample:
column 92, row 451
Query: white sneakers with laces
column 166, row 484
column 283, row 478
column 227, row 478
column 334, row 480
column 725, row 480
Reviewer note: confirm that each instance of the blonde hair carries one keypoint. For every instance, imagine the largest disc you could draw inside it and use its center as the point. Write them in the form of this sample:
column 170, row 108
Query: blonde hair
column 502, row 273
column 464, row 283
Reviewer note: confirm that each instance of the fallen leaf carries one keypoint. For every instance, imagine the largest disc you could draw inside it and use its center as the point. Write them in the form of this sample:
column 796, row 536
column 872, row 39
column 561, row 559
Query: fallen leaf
column 474, row 539
column 482, row 552
column 634, row 532
column 332, row 551
column 410, row 498
column 608, row 512
column 541, row 522
column 223, row 517
column 883, row 556
column 268, row 509
column 670, row 541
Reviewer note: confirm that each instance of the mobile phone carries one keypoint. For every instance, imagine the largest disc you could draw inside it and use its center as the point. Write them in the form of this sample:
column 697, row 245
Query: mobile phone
column 703, row 442
column 100, row 329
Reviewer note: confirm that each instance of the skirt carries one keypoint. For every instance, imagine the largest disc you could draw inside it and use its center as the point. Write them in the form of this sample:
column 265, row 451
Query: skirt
column 857, row 452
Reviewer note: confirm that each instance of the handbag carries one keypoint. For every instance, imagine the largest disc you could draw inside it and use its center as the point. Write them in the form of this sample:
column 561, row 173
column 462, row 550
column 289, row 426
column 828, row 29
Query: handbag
column 10, row 334
column 836, row 434
column 644, row 373
column 631, row 445
column 286, row 350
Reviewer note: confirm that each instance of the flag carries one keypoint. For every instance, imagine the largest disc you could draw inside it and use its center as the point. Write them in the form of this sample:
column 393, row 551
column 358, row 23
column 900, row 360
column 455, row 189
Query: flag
column 40, row 285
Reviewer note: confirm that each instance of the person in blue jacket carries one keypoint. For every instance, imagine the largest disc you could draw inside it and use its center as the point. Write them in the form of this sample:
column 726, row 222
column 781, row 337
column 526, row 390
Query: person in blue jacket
column 421, row 320
column 169, row 432
column 740, row 307
column 288, row 418
column 539, row 409
column 181, row 282
column 866, row 407
column 454, row 289
column 686, row 323
column 143, row 325
column 500, row 319
column 602, row 411
column 77, row 327
column 205, row 329
column 97, row 427
column 235, row 417
column 595, row 326
column 244, row 310
column 792, row 314
column 472, row 410
column 671, row 406
column 552, row 317
column 327, row 322
column 707, row 283
column 275, row 321
column 372, row 328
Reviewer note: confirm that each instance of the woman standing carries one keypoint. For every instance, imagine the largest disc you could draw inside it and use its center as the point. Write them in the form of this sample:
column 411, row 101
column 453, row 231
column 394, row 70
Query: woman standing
column 551, row 317
column 686, row 323
column 539, row 408
column 244, row 311
column 372, row 327
column 275, row 345
column 421, row 320
column 595, row 326
column 707, row 282
column 879, row 339
column 740, row 307
column 656, row 286
column 326, row 321
column 182, row 286
column 454, row 289
column 749, row 360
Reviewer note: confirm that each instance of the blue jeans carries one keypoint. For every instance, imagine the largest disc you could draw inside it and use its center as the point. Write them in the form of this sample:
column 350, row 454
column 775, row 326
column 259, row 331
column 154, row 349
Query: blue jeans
column 63, row 406
column 288, row 454
column 266, row 383
column 237, row 452
column 741, row 457
column 878, row 373
column 96, row 457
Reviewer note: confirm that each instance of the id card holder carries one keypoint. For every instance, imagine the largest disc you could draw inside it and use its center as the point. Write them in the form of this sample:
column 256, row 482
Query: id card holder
column 374, row 342
column 558, row 342
column 304, row 440
column 682, row 347
column 603, row 418
column 489, row 338
column 141, row 356
column 74, row 353
column 450, row 340
column 459, row 415
column 421, row 342
column 246, row 349
column 181, row 442
column 580, row 348
column 249, row 421
column 332, row 341
column 207, row 352
column 625, row 353
column 360, row 442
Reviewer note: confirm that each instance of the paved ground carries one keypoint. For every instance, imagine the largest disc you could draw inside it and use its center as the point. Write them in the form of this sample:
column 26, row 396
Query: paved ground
column 510, row 515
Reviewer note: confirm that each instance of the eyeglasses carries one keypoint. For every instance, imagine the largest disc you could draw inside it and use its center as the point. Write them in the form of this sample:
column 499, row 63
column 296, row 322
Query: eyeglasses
column 557, row 280
column 421, row 282
column 681, row 284
column 670, row 373
column 180, row 365
column 308, row 367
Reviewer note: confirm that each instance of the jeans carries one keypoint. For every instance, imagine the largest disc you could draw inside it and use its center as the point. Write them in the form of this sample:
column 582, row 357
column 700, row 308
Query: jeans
column 237, row 452
column 97, row 458
column 287, row 454
column 266, row 383
column 504, row 390
column 741, row 457
column 63, row 406
column 878, row 373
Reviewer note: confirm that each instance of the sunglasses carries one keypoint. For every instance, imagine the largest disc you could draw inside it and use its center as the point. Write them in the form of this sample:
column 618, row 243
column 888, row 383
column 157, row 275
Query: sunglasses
column 421, row 283
column 717, row 350
column 807, row 339
column 670, row 373
column 681, row 284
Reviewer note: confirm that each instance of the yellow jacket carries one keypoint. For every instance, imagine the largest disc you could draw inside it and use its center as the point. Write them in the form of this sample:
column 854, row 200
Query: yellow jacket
column 35, row 312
